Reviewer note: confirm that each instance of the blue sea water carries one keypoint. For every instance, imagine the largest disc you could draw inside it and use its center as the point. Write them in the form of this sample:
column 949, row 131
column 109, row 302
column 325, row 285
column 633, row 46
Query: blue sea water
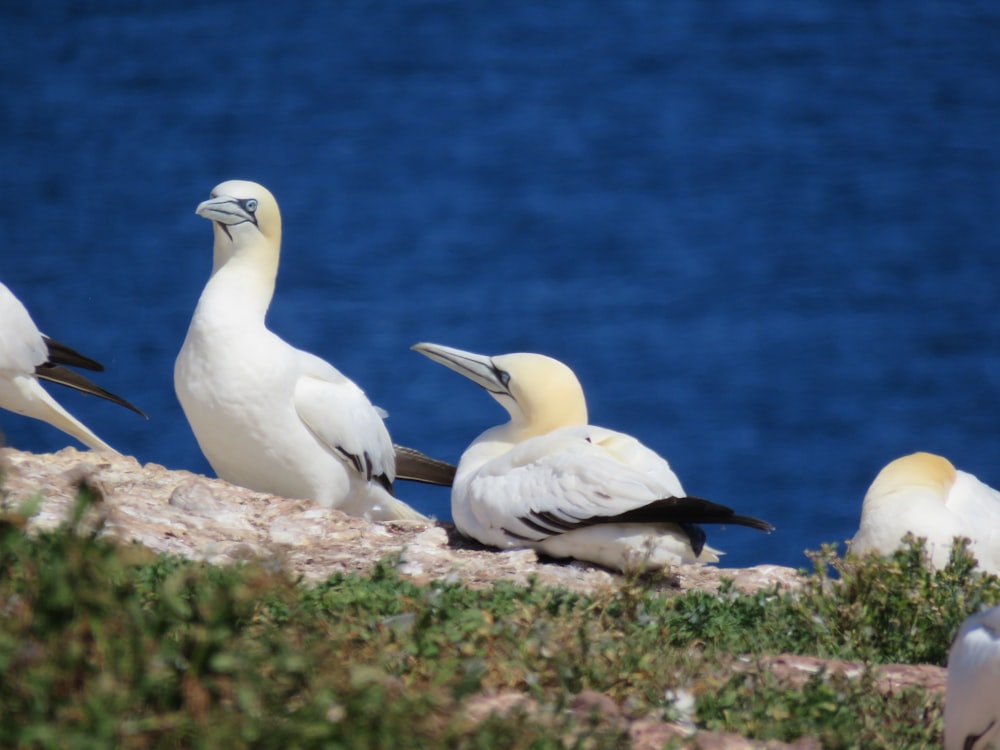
column 762, row 233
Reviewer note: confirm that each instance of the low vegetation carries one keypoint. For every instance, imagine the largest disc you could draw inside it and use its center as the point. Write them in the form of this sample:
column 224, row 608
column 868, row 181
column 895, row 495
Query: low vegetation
column 105, row 645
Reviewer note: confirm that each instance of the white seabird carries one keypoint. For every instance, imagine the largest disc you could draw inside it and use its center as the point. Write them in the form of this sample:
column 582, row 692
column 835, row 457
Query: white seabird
column 548, row 480
column 266, row 415
column 972, row 700
column 27, row 355
column 924, row 494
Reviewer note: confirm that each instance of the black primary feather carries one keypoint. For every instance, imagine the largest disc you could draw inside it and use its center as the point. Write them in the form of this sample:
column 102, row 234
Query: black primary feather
column 62, row 376
column 60, row 354
column 414, row 466
column 53, row 371
column 683, row 511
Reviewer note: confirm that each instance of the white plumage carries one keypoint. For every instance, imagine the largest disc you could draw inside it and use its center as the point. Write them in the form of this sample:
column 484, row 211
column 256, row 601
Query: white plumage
column 266, row 415
column 26, row 355
column 548, row 480
column 972, row 703
column 924, row 494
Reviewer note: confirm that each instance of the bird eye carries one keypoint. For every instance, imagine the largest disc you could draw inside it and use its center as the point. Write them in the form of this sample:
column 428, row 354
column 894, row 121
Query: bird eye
column 251, row 205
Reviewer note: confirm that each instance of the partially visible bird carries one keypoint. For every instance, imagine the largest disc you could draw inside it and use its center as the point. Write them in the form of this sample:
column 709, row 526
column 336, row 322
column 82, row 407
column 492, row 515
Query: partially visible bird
column 26, row 355
column 972, row 701
column 266, row 415
column 924, row 494
column 548, row 480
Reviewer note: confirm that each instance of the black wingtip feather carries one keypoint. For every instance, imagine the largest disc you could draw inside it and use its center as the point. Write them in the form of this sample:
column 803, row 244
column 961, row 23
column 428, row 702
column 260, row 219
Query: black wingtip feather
column 62, row 376
column 414, row 466
column 686, row 512
column 751, row 522
column 60, row 354
column 689, row 510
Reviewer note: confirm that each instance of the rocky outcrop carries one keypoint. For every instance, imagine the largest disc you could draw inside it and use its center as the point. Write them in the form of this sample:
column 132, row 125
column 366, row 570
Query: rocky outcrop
column 181, row 513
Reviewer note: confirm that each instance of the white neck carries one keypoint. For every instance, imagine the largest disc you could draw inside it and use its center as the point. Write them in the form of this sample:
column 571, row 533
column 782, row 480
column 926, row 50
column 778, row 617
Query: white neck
column 496, row 441
column 243, row 277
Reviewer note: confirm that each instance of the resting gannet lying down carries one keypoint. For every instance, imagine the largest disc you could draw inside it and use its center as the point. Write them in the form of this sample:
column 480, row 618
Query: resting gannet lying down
column 26, row 355
column 925, row 495
column 548, row 480
column 268, row 416
column 972, row 702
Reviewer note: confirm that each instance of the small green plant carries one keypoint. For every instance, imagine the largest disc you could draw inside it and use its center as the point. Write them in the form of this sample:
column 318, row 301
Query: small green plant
column 880, row 610
column 841, row 712
column 895, row 609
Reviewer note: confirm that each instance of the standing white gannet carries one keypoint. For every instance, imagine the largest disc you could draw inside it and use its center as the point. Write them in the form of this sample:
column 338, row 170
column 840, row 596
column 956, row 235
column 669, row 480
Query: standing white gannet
column 266, row 415
column 27, row 355
column 972, row 702
column 548, row 480
column 925, row 495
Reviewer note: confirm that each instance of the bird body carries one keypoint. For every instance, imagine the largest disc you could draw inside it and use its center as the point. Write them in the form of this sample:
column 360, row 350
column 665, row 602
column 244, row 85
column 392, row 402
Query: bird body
column 266, row 415
column 972, row 701
column 549, row 480
column 924, row 494
column 26, row 356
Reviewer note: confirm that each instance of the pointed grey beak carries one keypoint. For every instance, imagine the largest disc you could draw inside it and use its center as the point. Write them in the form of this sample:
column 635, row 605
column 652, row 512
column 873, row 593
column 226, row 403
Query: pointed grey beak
column 227, row 210
column 478, row 368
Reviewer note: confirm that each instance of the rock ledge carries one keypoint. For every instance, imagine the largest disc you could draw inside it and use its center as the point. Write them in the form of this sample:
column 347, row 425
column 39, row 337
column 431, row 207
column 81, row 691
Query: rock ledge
column 187, row 514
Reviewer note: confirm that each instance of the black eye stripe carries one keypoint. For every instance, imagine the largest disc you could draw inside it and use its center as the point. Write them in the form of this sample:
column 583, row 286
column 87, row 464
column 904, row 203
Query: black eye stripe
column 502, row 375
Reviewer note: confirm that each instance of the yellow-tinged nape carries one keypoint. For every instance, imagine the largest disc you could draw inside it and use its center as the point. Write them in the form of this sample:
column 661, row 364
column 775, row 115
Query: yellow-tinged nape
column 545, row 391
column 917, row 470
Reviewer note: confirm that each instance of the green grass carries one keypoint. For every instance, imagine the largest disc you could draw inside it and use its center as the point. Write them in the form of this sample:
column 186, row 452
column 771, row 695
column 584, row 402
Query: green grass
column 106, row 645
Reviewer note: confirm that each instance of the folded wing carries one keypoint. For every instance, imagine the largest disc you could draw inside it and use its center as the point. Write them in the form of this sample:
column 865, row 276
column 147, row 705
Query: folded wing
column 341, row 417
column 583, row 476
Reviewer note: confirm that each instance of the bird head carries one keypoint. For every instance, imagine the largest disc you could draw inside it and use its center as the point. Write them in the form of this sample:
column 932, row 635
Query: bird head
column 243, row 213
column 925, row 471
column 540, row 393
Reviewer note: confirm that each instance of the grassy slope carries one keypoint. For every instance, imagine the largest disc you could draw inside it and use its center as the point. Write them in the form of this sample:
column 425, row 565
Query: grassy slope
column 104, row 645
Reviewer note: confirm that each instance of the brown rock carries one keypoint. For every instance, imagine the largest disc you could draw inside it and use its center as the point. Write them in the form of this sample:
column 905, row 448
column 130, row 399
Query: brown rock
column 180, row 513
column 589, row 703
column 478, row 708
column 888, row 677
